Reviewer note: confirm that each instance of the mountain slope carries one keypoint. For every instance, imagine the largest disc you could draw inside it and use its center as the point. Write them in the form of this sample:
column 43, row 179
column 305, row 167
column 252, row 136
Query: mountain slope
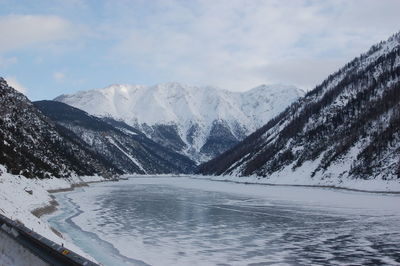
column 126, row 148
column 32, row 145
column 190, row 120
column 346, row 128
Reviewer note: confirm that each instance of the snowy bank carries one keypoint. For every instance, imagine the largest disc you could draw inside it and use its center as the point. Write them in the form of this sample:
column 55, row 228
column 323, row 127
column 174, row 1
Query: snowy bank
column 296, row 179
column 20, row 196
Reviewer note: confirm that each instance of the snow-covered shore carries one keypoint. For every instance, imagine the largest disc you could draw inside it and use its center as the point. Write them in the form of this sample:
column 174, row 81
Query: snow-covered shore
column 20, row 196
column 375, row 185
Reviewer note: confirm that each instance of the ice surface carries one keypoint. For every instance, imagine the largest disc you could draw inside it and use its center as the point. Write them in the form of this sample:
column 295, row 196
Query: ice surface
column 186, row 221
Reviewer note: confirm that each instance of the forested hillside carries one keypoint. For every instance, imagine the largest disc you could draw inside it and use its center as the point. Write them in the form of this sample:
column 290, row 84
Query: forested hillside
column 347, row 127
column 34, row 146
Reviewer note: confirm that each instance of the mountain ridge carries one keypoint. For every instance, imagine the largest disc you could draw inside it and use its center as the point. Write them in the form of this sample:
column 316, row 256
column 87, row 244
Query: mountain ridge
column 127, row 149
column 186, row 118
column 346, row 128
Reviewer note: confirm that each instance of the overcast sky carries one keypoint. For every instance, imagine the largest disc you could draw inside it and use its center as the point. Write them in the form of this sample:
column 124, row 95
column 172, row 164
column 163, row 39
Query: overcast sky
column 52, row 47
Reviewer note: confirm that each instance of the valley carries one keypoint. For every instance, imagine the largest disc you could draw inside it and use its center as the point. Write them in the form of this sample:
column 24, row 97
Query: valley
column 249, row 171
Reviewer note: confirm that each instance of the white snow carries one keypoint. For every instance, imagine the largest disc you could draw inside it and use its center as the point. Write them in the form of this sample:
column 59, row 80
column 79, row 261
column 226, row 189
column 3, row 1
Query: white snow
column 17, row 204
column 302, row 177
column 130, row 132
column 134, row 160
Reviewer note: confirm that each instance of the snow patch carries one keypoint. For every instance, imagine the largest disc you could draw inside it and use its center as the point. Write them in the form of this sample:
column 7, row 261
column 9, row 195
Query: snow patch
column 134, row 160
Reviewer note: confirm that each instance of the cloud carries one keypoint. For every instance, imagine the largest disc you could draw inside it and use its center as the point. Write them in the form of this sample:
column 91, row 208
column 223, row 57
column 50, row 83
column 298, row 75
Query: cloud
column 228, row 43
column 58, row 76
column 233, row 44
column 27, row 31
column 13, row 82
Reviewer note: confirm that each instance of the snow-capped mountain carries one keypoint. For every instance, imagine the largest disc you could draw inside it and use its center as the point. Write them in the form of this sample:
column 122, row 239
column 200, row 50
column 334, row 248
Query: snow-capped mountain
column 347, row 128
column 127, row 149
column 34, row 146
column 200, row 122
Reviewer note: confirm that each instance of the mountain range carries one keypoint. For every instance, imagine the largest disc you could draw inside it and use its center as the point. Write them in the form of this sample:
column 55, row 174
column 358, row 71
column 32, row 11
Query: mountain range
column 198, row 122
column 346, row 128
column 47, row 138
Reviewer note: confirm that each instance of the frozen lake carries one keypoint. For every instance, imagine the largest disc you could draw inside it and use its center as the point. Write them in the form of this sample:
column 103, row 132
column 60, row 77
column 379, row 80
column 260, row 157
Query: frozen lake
column 184, row 221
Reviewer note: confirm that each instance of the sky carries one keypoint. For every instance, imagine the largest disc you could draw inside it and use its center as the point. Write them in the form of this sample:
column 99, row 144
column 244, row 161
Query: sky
column 51, row 47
